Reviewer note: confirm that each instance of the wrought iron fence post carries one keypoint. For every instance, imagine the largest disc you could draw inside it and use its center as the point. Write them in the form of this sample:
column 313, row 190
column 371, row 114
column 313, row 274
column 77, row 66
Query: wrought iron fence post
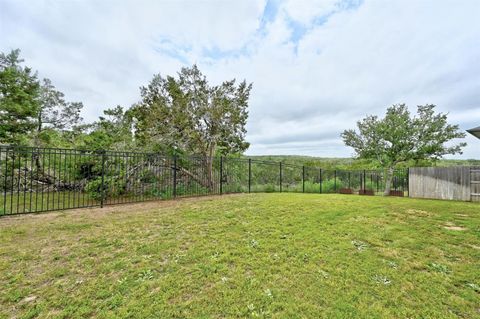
column 364, row 180
column 5, row 183
column 371, row 182
column 103, row 179
column 335, row 181
column 280, row 177
column 249, row 174
column 221, row 175
column 303, row 179
column 394, row 181
column 174, row 176
column 320, row 180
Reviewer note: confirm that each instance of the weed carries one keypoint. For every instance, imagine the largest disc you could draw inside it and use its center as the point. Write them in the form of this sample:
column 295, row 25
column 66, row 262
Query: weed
column 145, row 275
column 379, row 279
column 360, row 245
column 475, row 287
column 439, row 268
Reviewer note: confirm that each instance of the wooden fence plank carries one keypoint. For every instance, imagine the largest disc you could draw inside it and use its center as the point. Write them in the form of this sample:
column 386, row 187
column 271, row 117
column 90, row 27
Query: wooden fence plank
column 451, row 183
column 475, row 184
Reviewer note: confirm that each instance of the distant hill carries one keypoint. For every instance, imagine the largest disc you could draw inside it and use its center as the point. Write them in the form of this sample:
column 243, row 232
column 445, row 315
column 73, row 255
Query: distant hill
column 351, row 163
column 456, row 162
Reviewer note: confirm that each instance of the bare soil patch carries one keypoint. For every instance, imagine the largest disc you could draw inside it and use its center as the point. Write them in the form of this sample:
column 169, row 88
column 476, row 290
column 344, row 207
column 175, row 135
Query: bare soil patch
column 451, row 226
column 418, row 212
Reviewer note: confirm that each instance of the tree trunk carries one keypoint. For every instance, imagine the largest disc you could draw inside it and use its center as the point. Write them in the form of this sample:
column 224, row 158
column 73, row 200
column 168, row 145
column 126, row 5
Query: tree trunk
column 36, row 143
column 388, row 181
column 209, row 167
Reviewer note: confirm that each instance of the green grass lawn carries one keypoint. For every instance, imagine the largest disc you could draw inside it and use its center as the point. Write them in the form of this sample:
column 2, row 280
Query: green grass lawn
column 257, row 255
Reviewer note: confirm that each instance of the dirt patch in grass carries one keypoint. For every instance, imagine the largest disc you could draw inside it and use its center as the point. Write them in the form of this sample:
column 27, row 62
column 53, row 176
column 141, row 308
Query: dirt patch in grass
column 451, row 226
column 459, row 228
column 418, row 213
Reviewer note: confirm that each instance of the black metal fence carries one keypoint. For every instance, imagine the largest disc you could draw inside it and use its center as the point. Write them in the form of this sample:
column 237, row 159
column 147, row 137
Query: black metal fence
column 45, row 179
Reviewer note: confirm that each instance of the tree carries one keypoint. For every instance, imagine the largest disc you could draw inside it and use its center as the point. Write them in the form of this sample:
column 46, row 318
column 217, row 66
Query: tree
column 186, row 114
column 19, row 103
column 399, row 137
column 54, row 114
column 112, row 131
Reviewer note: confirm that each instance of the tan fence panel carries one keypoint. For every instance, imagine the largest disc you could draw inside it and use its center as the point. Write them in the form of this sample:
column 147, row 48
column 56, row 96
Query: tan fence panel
column 475, row 184
column 451, row 183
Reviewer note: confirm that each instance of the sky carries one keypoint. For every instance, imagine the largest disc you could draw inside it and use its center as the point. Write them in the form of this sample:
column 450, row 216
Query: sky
column 317, row 66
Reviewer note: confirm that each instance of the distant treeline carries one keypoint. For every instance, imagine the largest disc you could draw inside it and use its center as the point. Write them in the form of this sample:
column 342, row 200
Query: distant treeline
column 354, row 164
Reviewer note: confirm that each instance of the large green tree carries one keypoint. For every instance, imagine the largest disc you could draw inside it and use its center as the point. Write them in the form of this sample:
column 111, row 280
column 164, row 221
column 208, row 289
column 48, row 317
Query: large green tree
column 19, row 102
column 55, row 116
column 113, row 131
column 400, row 137
column 187, row 114
column 32, row 112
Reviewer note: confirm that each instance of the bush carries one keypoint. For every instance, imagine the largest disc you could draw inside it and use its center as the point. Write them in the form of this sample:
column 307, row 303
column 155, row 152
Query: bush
column 147, row 176
column 111, row 188
column 312, row 187
column 329, row 186
column 164, row 193
column 267, row 188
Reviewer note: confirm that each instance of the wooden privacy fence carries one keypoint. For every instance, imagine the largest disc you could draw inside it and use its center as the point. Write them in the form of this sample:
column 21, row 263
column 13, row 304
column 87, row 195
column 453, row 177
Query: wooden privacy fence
column 475, row 184
column 450, row 183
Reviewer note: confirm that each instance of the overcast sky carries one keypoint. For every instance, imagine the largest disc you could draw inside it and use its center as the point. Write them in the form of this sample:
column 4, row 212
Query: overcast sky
column 316, row 66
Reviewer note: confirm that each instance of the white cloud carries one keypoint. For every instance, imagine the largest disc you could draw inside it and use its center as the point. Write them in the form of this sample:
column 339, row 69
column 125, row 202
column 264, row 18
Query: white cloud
column 317, row 66
column 305, row 11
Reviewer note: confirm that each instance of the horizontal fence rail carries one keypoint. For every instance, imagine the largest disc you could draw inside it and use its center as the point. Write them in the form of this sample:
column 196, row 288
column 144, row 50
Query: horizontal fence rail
column 45, row 179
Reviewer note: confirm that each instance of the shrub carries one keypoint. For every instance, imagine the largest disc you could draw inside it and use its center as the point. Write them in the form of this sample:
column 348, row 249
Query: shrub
column 111, row 188
column 312, row 187
column 329, row 186
column 267, row 188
